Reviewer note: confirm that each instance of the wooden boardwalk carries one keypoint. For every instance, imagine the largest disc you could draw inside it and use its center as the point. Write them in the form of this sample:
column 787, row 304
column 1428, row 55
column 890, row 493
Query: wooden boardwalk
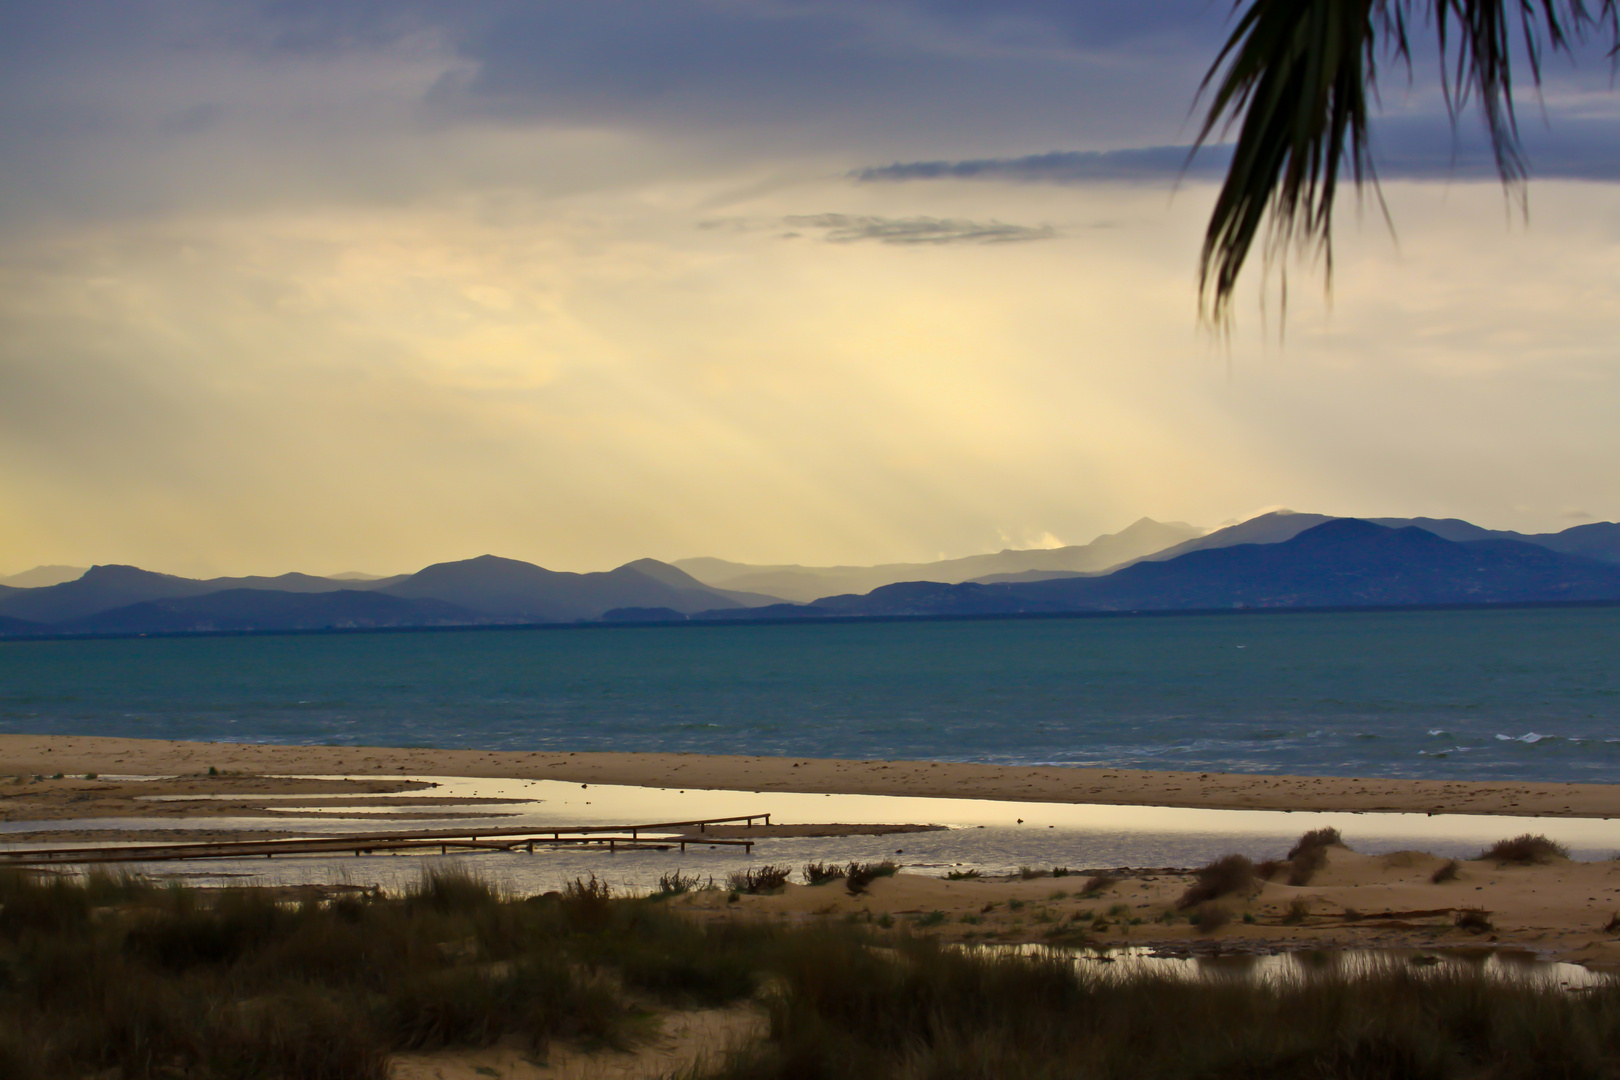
column 660, row 836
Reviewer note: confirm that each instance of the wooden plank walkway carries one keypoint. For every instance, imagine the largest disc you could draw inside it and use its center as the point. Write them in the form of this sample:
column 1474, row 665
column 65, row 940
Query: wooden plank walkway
column 661, row 836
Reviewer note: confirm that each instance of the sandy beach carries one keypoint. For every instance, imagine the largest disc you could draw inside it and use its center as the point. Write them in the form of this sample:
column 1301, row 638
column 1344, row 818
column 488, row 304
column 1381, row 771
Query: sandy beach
column 76, row 755
column 1558, row 907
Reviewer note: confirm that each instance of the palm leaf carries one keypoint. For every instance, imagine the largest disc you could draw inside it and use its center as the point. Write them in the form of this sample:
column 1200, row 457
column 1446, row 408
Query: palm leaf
column 1296, row 78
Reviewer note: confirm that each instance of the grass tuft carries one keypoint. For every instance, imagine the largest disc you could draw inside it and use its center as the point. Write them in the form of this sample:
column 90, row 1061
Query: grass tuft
column 676, row 883
column 820, row 873
column 1445, row 872
column 1309, row 854
column 1525, row 849
column 759, row 879
column 1223, row 877
column 859, row 876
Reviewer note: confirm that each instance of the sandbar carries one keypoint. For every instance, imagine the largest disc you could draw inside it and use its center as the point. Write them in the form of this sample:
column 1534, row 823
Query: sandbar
column 78, row 754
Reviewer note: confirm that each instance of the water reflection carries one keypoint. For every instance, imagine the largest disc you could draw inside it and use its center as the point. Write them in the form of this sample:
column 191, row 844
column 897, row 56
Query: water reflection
column 1305, row 964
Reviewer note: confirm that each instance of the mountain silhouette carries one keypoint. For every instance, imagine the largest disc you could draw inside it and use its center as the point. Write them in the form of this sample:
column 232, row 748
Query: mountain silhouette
column 100, row 589
column 520, row 591
column 1599, row 540
column 806, row 583
column 1342, row 562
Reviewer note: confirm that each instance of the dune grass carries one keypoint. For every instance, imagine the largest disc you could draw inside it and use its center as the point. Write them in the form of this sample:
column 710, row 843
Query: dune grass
column 1525, row 849
column 925, row 1010
column 113, row 977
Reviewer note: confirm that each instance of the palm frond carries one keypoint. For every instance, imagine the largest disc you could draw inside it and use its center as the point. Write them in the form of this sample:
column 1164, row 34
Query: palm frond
column 1297, row 77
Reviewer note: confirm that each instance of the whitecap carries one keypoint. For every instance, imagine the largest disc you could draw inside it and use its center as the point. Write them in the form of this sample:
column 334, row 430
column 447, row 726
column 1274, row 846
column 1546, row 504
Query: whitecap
column 1530, row 737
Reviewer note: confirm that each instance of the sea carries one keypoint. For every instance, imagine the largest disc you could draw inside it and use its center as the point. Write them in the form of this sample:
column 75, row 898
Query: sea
column 1479, row 693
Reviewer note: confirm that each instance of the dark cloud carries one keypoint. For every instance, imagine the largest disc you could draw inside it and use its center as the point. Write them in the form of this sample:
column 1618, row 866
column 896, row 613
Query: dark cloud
column 1404, row 148
column 850, row 228
column 1063, row 167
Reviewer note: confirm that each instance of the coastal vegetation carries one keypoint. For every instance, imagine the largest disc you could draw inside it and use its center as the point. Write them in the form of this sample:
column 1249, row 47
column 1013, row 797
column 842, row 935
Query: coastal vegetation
column 116, row 977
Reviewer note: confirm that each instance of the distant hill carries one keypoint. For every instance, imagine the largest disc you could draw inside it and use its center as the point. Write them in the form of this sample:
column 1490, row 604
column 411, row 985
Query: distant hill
column 127, row 599
column 9, row 626
column 1338, row 563
column 521, row 591
column 806, row 583
column 41, row 576
column 266, row 609
column 100, row 589
column 1599, row 540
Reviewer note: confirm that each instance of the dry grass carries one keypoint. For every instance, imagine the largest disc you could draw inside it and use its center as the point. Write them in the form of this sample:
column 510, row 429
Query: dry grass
column 1309, row 854
column 920, row 1010
column 858, row 876
column 1446, row 872
column 112, row 977
column 820, row 873
column 1525, row 849
column 759, row 879
column 1223, row 877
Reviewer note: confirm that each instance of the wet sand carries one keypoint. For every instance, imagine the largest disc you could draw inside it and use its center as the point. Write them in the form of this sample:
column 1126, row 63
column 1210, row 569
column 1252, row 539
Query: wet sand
column 47, row 755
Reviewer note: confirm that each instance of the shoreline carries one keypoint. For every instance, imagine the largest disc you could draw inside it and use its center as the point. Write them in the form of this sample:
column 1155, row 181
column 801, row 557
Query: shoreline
column 72, row 755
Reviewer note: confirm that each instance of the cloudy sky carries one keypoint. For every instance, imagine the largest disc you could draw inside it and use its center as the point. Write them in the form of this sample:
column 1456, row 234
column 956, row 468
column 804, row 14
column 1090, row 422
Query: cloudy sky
column 368, row 284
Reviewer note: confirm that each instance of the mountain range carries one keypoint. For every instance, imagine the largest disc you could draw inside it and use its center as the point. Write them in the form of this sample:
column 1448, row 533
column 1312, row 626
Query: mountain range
column 1342, row 562
column 1281, row 559
column 802, row 584
column 485, row 590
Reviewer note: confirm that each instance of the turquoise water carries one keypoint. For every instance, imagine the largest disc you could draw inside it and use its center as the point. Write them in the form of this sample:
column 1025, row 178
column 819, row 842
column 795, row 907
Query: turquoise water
column 1523, row 693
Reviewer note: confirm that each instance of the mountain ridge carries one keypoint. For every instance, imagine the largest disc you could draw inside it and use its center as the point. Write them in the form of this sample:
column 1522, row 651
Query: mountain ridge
column 791, row 581
column 1340, row 563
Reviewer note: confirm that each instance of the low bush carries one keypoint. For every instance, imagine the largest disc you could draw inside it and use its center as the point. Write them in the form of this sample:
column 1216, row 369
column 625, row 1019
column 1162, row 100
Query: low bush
column 676, row 883
column 759, row 879
column 1316, row 838
column 819, row 873
column 112, row 976
column 1474, row 920
column 1525, row 849
column 1445, row 872
column 1309, row 854
column 961, row 875
column 1223, row 877
column 923, row 1009
column 858, row 876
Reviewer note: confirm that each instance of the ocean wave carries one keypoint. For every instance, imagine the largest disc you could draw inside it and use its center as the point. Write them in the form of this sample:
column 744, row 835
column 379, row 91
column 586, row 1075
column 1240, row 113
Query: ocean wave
column 1529, row 737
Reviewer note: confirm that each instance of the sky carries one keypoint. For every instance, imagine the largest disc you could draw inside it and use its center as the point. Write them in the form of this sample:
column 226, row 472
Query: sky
column 331, row 285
